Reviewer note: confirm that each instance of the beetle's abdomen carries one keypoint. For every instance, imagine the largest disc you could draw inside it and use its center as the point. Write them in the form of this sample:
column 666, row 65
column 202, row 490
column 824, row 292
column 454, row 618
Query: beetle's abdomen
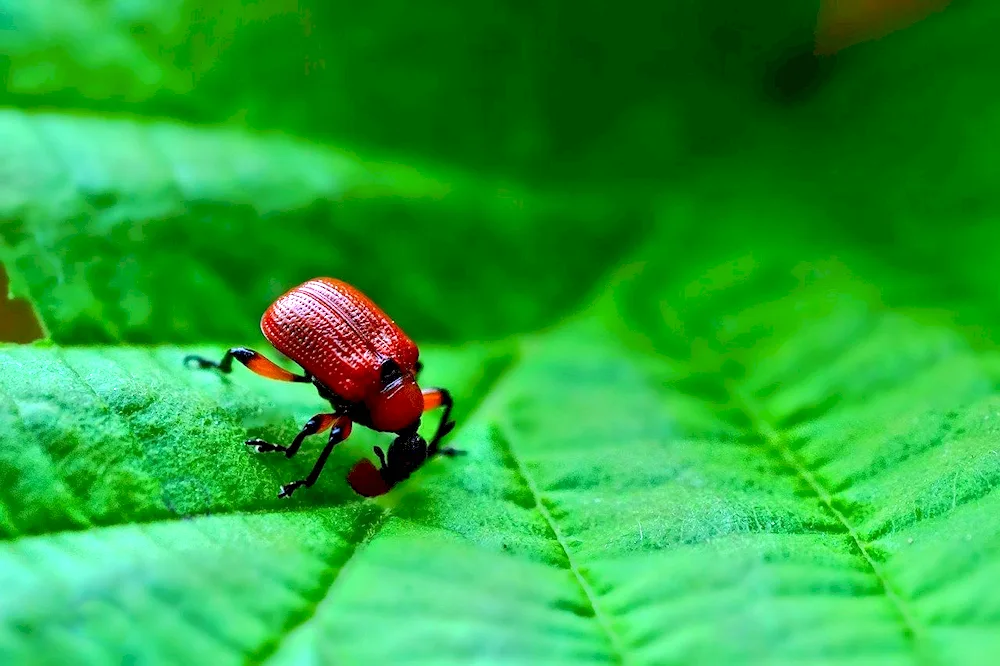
column 338, row 335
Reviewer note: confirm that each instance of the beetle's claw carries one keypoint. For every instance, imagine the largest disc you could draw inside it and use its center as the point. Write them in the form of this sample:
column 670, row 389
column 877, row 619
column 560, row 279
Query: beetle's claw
column 450, row 452
column 202, row 363
column 289, row 488
column 264, row 447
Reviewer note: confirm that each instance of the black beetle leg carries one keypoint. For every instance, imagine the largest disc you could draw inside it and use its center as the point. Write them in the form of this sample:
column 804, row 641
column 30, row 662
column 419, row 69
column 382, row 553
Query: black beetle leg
column 381, row 455
column 316, row 424
column 341, row 431
column 439, row 397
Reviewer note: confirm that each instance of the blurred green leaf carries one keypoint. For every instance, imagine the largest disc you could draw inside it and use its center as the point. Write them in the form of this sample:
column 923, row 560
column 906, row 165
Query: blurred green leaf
column 525, row 89
column 135, row 231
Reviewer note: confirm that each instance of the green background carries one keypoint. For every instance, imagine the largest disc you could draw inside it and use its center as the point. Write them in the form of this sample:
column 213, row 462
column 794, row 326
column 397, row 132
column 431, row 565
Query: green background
column 719, row 317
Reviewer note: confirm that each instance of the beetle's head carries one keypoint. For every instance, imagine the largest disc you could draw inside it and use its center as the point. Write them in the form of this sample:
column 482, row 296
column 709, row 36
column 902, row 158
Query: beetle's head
column 398, row 403
column 406, row 454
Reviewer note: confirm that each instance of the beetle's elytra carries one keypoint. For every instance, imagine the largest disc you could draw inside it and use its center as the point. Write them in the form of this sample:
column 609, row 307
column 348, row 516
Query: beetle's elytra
column 364, row 364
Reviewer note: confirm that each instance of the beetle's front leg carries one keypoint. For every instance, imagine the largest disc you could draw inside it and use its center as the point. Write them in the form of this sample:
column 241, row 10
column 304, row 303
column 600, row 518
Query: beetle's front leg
column 341, row 431
column 256, row 362
column 434, row 398
column 315, row 425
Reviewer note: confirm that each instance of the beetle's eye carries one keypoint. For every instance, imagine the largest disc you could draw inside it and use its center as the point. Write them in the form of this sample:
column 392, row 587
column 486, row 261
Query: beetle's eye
column 365, row 479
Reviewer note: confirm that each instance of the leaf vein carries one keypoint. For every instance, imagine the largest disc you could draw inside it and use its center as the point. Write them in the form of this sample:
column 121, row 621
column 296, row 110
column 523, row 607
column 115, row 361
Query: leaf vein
column 912, row 629
column 364, row 533
column 602, row 618
column 77, row 510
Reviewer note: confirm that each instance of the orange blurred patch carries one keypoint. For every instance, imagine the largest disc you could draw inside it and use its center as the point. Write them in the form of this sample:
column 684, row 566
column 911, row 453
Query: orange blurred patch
column 843, row 23
column 17, row 320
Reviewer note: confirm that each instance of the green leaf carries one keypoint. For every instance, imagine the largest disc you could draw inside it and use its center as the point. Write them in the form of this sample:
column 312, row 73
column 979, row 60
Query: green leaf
column 118, row 435
column 812, row 481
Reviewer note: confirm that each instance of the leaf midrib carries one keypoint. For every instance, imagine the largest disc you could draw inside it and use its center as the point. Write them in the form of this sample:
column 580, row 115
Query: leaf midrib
column 365, row 531
column 618, row 652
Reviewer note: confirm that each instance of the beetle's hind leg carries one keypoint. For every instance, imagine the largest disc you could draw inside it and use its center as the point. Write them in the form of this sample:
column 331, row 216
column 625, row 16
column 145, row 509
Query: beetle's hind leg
column 256, row 362
column 341, row 431
column 434, row 398
column 313, row 426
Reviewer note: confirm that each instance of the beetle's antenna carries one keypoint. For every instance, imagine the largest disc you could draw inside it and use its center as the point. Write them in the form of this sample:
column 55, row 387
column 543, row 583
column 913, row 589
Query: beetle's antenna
column 381, row 455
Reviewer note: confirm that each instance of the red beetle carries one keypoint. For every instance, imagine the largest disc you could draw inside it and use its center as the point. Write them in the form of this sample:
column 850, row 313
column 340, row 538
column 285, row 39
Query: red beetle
column 359, row 360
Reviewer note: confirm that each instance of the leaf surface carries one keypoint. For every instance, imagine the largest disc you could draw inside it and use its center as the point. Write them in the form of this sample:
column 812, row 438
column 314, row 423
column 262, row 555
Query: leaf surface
column 747, row 414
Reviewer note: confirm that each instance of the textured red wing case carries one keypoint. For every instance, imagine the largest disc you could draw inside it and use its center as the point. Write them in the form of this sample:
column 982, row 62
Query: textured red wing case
column 338, row 335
